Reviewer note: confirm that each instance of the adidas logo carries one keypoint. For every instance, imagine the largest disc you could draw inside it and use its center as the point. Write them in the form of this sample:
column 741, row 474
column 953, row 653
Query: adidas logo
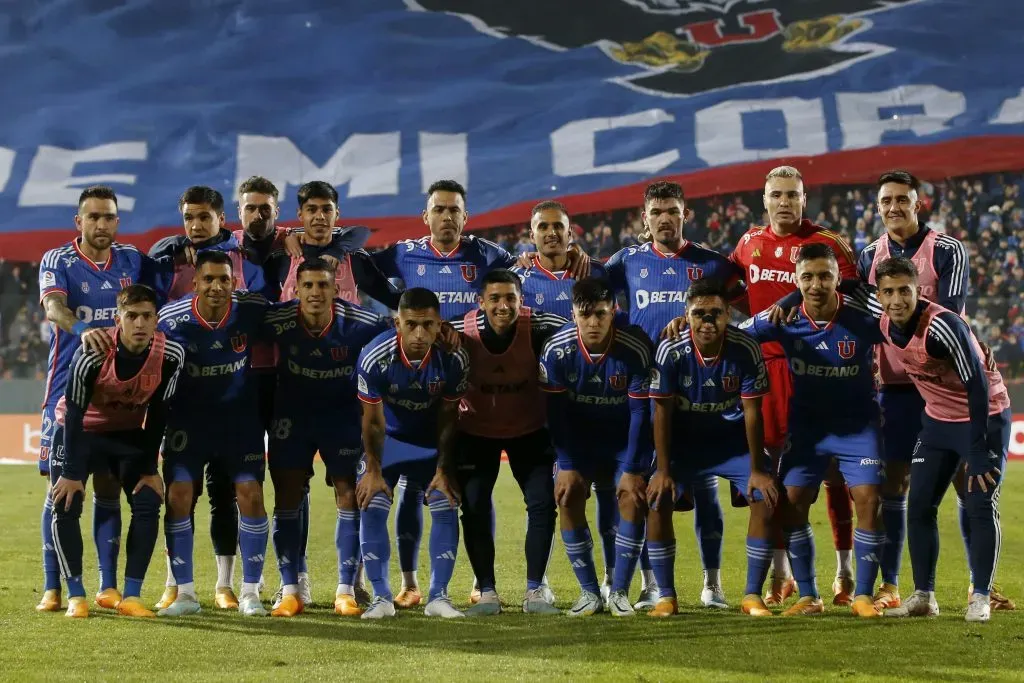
column 822, row 346
column 446, row 271
column 106, row 285
column 579, row 563
column 562, row 297
column 870, row 557
column 254, row 558
column 283, row 560
column 446, row 555
column 217, row 345
column 670, row 271
column 415, row 385
column 369, row 557
column 597, row 379
column 316, row 352
column 177, row 561
column 351, row 562
column 709, row 382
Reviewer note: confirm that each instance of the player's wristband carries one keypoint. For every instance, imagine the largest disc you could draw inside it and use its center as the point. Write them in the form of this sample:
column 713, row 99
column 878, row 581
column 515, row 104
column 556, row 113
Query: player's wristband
column 79, row 328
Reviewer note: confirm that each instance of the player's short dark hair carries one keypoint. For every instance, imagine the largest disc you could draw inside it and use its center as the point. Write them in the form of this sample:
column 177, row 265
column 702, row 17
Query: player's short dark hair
column 589, row 292
column 315, row 264
column 707, row 286
column 418, row 299
column 500, row 276
column 549, row 204
column 97, row 192
column 258, row 184
column 899, row 177
column 202, row 194
column 447, row 186
column 136, row 294
column 815, row 250
column 215, row 256
column 894, row 267
column 663, row 190
column 316, row 189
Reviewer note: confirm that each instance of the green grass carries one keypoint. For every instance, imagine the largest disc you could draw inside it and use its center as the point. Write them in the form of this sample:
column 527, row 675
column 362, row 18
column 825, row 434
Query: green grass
column 698, row 645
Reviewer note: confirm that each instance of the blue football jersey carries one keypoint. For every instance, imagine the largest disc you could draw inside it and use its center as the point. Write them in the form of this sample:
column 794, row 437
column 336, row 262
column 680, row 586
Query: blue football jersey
column 709, row 392
column 655, row 284
column 454, row 277
column 411, row 391
column 91, row 292
column 216, row 378
column 316, row 374
column 598, row 389
column 551, row 291
column 830, row 363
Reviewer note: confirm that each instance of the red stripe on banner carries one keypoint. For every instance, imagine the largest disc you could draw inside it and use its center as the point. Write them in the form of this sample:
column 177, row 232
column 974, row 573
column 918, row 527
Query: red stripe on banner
column 953, row 158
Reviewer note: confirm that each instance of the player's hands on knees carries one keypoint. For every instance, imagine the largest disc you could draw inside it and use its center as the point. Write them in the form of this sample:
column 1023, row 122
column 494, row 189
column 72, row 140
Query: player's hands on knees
column 65, row 489
column 445, row 485
column 97, row 340
column 674, row 328
column 567, row 484
column 370, row 485
column 153, row 481
column 983, row 482
column 633, row 487
column 579, row 262
column 766, row 484
column 661, row 490
column 449, row 337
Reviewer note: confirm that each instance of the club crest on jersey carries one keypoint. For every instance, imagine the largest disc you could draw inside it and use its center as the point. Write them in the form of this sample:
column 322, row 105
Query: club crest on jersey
column 126, row 282
column 694, row 273
column 339, row 352
column 539, row 298
column 238, row 342
column 468, row 272
column 618, row 381
column 730, row 382
column 847, row 348
column 793, row 252
column 643, row 272
column 434, row 385
column 687, row 381
column 778, row 252
column 421, row 270
column 85, row 288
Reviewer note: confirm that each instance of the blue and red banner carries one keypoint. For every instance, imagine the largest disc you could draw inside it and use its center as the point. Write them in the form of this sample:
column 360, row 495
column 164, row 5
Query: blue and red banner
column 583, row 100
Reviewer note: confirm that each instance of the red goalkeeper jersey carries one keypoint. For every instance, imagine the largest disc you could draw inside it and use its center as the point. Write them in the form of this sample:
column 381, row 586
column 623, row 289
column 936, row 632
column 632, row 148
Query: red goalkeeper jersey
column 769, row 263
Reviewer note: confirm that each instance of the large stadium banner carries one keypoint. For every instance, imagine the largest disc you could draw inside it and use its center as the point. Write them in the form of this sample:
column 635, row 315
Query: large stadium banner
column 582, row 100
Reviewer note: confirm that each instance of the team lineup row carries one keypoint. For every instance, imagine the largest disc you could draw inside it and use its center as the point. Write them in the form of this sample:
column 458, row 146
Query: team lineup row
column 597, row 373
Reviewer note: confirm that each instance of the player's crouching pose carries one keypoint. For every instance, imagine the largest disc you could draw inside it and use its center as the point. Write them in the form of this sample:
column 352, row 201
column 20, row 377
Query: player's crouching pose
column 597, row 379
column 316, row 410
column 410, row 389
column 109, row 396
column 707, row 387
column 217, row 326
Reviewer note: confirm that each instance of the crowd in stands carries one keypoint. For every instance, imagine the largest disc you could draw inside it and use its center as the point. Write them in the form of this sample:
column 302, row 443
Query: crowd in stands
column 985, row 213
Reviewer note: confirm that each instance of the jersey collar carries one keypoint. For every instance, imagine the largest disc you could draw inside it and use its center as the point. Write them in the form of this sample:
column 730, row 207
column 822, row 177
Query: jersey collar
column 81, row 255
column 832, row 320
column 547, row 273
column 405, row 359
column 586, row 354
column 440, row 254
column 322, row 333
column 700, row 358
column 202, row 321
column 675, row 254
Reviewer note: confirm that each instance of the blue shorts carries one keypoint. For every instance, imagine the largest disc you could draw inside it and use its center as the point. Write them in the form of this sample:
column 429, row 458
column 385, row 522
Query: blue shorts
column 808, row 452
column 702, row 471
column 188, row 447
column 418, row 471
column 294, row 441
column 902, row 407
column 600, row 472
column 47, row 426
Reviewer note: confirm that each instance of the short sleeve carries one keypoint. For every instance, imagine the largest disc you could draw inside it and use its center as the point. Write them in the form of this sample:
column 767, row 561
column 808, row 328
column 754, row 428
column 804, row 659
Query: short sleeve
column 663, row 375
column 760, row 328
column 52, row 275
column 754, row 381
column 458, row 376
column 550, row 375
column 366, row 380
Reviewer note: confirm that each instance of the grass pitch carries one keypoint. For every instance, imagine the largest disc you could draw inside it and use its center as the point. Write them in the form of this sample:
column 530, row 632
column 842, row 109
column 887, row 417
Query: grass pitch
column 699, row 645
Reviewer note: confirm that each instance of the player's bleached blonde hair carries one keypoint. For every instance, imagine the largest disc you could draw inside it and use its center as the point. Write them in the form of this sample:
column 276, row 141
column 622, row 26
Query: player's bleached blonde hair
column 784, row 172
